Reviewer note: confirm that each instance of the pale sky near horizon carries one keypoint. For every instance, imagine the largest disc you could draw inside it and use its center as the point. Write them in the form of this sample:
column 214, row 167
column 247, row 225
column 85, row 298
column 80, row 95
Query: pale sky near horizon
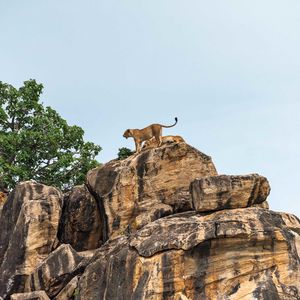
column 229, row 70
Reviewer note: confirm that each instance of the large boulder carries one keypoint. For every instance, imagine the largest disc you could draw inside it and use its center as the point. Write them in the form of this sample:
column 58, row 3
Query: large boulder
column 225, row 192
column 250, row 253
column 146, row 186
column 80, row 224
column 55, row 272
column 29, row 224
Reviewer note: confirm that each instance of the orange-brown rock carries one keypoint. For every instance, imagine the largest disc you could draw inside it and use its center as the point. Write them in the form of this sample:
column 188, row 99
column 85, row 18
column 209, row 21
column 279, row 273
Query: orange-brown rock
column 147, row 186
column 249, row 253
column 165, row 237
column 29, row 223
column 80, row 224
column 225, row 192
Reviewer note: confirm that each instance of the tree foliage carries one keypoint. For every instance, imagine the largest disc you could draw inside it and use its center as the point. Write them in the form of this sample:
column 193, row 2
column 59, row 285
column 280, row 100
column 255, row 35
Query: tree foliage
column 124, row 153
column 37, row 143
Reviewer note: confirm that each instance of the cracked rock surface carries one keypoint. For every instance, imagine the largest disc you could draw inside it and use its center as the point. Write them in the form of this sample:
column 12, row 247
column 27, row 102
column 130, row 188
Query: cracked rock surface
column 231, row 254
column 159, row 225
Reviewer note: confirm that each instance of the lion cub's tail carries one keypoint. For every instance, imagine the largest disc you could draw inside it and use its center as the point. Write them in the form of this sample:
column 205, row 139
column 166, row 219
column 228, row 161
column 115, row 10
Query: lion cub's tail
column 165, row 126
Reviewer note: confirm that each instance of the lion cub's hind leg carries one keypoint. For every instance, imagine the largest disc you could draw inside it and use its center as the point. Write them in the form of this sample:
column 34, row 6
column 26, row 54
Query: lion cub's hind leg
column 158, row 140
column 158, row 135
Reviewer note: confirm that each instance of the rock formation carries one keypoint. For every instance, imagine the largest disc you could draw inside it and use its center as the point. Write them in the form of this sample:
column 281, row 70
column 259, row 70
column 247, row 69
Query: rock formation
column 161, row 224
column 222, row 255
column 80, row 224
column 29, row 223
column 148, row 186
column 224, row 192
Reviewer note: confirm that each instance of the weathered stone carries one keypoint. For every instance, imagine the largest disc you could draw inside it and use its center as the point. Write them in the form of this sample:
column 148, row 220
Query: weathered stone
column 38, row 295
column 80, row 224
column 29, row 223
column 157, row 246
column 224, row 192
column 130, row 192
column 264, row 205
column 250, row 253
column 69, row 290
column 55, row 271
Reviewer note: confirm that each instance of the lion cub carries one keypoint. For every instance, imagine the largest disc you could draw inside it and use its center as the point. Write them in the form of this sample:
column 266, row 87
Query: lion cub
column 168, row 139
column 141, row 135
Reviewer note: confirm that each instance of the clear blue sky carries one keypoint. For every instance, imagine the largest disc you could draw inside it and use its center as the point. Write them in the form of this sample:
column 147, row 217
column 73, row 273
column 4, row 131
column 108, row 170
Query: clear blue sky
column 229, row 70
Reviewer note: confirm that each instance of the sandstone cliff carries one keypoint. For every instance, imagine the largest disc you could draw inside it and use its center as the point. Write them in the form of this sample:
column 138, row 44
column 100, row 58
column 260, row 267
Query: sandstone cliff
column 161, row 224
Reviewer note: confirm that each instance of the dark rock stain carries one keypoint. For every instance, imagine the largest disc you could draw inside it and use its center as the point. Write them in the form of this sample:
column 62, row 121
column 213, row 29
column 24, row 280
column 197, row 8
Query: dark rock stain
column 200, row 255
column 234, row 289
column 39, row 188
column 167, row 276
column 110, row 197
column 61, row 232
column 254, row 192
column 140, row 289
column 116, row 222
column 266, row 291
column 141, row 170
column 40, row 278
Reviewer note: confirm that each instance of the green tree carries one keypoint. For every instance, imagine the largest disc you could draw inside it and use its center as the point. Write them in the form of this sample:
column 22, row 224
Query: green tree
column 37, row 143
column 124, row 153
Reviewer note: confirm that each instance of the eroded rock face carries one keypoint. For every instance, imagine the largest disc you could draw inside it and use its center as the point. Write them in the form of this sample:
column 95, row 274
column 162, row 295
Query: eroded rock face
column 146, row 186
column 55, row 271
column 69, row 290
column 80, row 224
column 231, row 254
column 225, row 192
column 29, row 223
column 166, row 238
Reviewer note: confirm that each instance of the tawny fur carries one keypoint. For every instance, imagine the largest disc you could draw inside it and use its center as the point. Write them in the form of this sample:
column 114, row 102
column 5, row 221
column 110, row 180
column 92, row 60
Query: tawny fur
column 141, row 135
column 165, row 140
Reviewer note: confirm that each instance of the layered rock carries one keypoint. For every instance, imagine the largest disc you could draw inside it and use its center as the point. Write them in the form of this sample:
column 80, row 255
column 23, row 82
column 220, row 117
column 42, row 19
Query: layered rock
column 147, row 186
column 225, row 192
column 80, row 224
column 55, row 271
column 174, row 229
column 231, row 254
column 29, row 223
